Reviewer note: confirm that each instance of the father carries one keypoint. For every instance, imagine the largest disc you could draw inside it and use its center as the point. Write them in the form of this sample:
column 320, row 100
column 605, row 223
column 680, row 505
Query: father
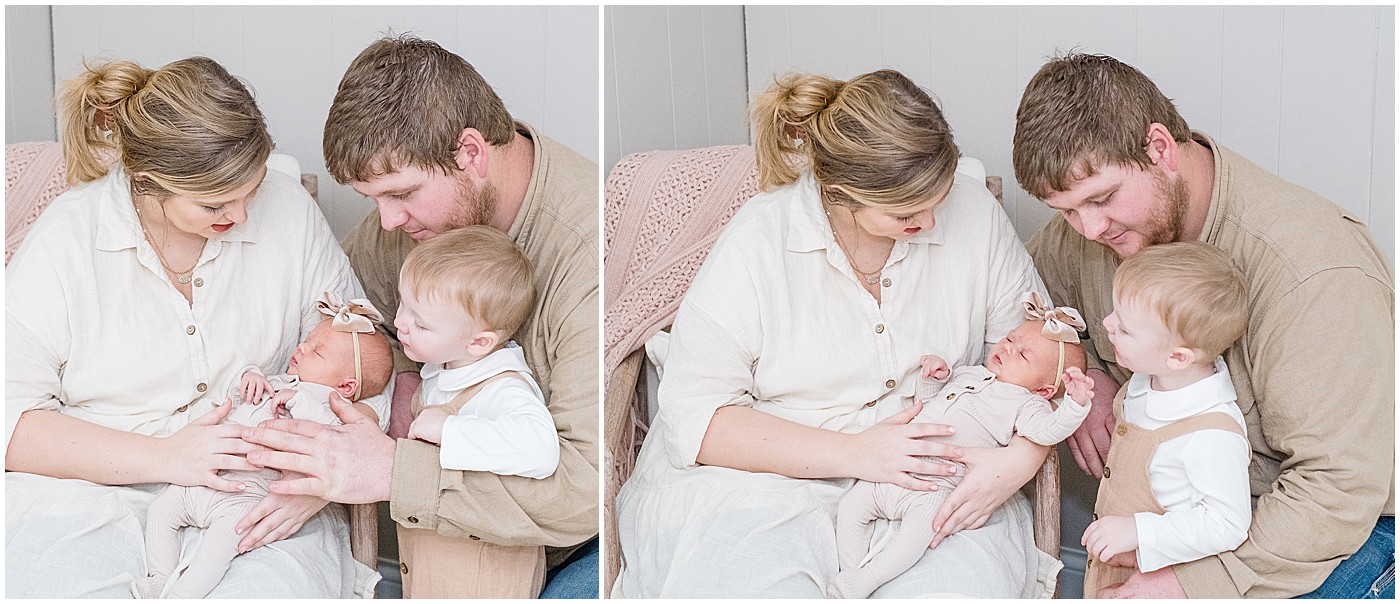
column 1097, row 141
column 417, row 129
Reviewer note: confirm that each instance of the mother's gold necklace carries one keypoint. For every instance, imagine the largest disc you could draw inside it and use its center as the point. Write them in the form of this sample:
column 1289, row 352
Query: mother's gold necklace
column 870, row 277
column 182, row 276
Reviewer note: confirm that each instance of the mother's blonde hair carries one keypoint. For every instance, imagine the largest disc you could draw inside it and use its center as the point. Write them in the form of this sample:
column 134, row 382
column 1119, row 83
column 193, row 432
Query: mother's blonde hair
column 876, row 140
column 190, row 127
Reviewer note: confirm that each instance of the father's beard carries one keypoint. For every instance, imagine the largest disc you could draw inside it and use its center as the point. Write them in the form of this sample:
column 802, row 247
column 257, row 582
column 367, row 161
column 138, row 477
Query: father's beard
column 1168, row 222
column 475, row 205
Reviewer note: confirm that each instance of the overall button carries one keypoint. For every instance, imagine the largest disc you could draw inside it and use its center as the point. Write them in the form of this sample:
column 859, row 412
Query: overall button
column 880, row 328
column 199, row 282
column 1105, row 472
column 413, row 519
column 202, row 387
column 183, row 408
column 403, row 568
column 1122, row 429
column 889, row 383
column 887, row 282
column 189, row 330
column 1096, row 516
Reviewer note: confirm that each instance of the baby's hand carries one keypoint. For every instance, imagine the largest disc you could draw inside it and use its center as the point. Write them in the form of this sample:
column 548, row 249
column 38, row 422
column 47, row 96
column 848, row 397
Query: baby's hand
column 279, row 401
column 1110, row 536
column 428, row 426
column 934, row 366
column 253, row 387
column 1078, row 386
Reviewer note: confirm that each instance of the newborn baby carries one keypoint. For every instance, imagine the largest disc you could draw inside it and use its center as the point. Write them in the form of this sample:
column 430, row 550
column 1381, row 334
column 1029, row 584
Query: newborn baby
column 986, row 404
column 343, row 354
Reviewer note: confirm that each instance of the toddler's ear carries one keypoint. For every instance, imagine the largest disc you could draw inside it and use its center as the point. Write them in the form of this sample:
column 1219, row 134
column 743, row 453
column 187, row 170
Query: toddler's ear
column 1181, row 357
column 483, row 343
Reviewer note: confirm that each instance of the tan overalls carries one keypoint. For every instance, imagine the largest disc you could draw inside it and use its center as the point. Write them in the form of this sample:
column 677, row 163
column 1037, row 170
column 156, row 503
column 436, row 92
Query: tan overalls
column 1125, row 489
column 434, row 566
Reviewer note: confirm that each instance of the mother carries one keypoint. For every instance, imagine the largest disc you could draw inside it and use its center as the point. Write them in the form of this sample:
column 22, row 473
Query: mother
column 131, row 305
column 802, row 331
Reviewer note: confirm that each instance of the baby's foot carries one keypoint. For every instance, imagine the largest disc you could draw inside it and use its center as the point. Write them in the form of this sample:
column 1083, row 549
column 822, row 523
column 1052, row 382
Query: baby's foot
column 148, row 587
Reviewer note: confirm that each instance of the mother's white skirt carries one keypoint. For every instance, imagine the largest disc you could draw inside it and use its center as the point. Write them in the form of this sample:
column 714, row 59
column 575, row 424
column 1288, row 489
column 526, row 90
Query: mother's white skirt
column 709, row 532
column 76, row 539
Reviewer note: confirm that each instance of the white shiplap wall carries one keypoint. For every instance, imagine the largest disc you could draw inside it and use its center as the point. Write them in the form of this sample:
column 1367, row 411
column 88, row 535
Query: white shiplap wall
column 542, row 60
column 674, row 78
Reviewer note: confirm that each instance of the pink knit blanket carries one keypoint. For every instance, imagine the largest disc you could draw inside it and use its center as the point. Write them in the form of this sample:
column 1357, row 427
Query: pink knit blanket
column 34, row 175
column 662, row 212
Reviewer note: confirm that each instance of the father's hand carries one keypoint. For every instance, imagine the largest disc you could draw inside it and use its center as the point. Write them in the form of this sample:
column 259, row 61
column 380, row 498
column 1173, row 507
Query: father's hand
column 353, row 463
column 1161, row 583
column 1089, row 443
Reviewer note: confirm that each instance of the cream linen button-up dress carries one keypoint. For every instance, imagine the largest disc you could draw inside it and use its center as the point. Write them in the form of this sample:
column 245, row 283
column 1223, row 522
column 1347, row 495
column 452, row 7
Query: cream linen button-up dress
column 95, row 330
column 776, row 320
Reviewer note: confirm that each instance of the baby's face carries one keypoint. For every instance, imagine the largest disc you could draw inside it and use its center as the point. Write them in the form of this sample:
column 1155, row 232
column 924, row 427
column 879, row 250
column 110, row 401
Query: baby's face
column 1025, row 358
column 327, row 356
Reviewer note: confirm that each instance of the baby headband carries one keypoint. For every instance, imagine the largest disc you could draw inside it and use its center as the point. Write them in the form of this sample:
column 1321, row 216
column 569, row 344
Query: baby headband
column 1062, row 324
column 356, row 316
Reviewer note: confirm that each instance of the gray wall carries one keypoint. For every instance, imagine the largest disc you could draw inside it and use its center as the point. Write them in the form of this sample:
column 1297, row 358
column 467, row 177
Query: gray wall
column 542, row 60
column 28, row 81
column 1306, row 92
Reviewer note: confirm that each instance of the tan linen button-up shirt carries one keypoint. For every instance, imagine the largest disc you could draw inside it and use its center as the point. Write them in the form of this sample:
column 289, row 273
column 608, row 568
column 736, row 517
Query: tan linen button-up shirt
column 557, row 227
column 1314, row 371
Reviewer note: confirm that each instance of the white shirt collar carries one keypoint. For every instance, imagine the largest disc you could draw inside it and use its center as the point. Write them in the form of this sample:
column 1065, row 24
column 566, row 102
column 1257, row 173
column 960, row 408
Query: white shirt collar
column 509, row 358
column 1183, row 402
column 810, row 230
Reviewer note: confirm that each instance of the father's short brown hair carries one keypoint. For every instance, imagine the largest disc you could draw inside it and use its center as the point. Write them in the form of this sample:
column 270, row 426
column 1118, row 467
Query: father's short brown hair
column 1081, row 111
column 403, row 102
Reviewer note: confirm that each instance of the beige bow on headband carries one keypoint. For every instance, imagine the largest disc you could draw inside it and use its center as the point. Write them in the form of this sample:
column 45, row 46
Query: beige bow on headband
column 356, row 316
column 1062, row 324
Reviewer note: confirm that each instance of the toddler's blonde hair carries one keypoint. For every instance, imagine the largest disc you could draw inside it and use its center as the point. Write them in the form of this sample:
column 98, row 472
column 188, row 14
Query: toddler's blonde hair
column 479, row 268
column 1193, row 288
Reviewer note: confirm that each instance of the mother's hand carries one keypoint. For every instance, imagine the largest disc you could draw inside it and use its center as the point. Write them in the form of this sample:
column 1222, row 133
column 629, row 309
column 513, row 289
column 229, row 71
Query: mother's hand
column 194, row 455
column 275, row 518
column 893, row 451
column 993, row 474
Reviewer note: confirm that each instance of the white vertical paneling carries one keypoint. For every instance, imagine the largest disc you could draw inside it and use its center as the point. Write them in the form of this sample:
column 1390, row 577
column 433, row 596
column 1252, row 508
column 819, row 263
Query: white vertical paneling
column 1251, row 97
column 612, row 113
column 644, row 91
column 570, row 77
column 905, row 43
column 28, row 74
column 726, row 89
column 766, row 33
column 1382, row 216
column 677, row 74
column 1182, row 52
column 691, row 119
column 979, row 95
column 1329, row 70
column 542, row 61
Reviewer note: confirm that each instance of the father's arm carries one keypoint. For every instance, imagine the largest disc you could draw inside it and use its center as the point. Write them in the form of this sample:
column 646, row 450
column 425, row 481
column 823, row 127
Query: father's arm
column 1322, row 364
column 560, row 510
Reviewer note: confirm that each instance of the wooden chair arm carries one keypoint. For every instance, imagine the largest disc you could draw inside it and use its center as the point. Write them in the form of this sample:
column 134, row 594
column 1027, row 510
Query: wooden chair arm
column 364, row 533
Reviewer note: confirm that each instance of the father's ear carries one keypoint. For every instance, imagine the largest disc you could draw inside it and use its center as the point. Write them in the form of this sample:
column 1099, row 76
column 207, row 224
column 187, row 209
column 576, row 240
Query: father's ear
column 1161, row 148
column 473, row 152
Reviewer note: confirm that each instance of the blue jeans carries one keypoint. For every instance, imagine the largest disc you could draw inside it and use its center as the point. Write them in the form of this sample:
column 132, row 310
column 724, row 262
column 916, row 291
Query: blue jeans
column 1367, row 574
column 576, row 578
